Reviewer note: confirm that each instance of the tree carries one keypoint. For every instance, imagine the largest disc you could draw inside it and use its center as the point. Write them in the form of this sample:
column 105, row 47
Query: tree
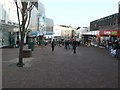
column 24, row 8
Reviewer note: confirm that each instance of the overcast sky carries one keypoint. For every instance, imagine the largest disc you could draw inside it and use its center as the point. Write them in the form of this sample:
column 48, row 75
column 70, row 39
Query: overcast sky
column 79, row 12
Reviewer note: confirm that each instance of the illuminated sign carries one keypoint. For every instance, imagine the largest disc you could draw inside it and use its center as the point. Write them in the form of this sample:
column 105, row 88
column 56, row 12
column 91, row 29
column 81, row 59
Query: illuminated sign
column 109, row 32
column 114, row 33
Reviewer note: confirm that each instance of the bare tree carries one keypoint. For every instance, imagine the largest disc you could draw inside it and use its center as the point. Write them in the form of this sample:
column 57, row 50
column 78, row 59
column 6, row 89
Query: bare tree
column 24, row 9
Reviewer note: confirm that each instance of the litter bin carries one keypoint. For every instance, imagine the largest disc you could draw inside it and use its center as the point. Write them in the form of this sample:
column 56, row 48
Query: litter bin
column 31, row 45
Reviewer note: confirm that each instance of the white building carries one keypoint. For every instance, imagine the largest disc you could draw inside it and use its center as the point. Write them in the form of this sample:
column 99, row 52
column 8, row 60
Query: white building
column 83, row 30
column 63, row 31
column 8, row 19
column 9, row 30
column 57, row 30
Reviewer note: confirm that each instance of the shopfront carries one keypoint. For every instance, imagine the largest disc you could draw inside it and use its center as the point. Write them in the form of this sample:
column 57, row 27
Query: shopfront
column 8, row 35
column 108, row 35
column 91, row 38
column 0, row 35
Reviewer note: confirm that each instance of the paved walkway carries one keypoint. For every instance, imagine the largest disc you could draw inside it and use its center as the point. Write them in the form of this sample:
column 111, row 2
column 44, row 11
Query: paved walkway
column 91, row 67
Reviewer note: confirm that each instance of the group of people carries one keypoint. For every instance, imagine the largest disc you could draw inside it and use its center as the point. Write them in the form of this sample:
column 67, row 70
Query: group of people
column 67, row 44
column 113, row 47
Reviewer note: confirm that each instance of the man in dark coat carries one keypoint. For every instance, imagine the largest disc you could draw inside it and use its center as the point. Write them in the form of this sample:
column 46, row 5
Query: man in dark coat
column 53, row 45
column 75, row 43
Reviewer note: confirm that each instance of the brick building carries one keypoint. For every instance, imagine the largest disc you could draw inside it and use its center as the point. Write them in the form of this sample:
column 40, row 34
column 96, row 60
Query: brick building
column 108, row 28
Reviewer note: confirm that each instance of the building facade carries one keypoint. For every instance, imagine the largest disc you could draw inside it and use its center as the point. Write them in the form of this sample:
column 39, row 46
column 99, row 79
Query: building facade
column 119, row 15
column 49, row 25
column 8, row 19
column 41, row 19
column 106, row 23
column 107, row 27
column 49, row 28
column 64, row 31
column 9, row 28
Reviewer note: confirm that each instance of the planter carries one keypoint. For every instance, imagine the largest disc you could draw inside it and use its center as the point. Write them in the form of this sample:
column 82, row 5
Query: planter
column 27, row 53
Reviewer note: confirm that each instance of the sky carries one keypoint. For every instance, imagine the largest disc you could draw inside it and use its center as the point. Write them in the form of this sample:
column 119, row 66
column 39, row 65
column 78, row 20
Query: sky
column 78, row 12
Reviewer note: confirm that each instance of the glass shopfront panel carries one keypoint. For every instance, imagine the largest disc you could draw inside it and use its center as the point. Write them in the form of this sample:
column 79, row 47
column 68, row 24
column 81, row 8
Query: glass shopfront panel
column 0, row 35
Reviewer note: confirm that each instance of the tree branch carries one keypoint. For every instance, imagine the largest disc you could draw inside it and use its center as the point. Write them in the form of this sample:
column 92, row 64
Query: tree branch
column 18, row 16
column 29, row 9
column 28, row 20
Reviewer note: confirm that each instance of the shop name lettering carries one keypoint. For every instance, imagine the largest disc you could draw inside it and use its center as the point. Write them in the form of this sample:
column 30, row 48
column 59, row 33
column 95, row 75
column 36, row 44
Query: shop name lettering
column 110, row 33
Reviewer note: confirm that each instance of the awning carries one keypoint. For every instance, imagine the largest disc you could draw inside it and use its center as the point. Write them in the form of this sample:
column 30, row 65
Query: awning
column 33, row 34
column 91, row 33
column 50, row 33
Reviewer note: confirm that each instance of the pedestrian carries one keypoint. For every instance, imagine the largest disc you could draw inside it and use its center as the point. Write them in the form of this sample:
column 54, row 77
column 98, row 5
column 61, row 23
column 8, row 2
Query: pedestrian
column 66, row 44
column 79, row 43
column 53, row 45
column 116, row 47
column 110, row 45
column 74, row 44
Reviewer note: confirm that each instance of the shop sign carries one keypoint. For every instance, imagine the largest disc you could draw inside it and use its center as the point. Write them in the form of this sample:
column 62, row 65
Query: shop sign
column 110, row 32
column 107, row 32
column 114, row 33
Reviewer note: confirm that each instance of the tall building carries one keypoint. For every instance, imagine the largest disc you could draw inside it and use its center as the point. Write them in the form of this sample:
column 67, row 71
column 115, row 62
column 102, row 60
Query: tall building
column 119, row 15
column 33, row 26
column 8, row 19
column 9, row 30
column 49, row 25
column 49, row 28
column 42, row 19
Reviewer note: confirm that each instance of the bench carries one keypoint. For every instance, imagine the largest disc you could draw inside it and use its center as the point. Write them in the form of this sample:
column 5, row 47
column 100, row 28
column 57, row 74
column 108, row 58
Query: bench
column 27, row 53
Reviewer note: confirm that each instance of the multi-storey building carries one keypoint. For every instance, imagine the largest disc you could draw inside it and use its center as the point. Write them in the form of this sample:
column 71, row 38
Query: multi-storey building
column 105, row 23
column 107, row 27
column 41, row 19
column 57, row 31
column 119, row 15
column 9, row 31
column 8, row 19
column 33, row 25
column 64, row 32
column 49, row 25
column 49, row 28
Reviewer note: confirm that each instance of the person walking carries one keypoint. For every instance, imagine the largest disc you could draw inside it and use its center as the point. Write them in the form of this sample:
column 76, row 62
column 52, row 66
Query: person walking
column 74, row 44
column 116, row 47
column 53, row 45
column 66, row 44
